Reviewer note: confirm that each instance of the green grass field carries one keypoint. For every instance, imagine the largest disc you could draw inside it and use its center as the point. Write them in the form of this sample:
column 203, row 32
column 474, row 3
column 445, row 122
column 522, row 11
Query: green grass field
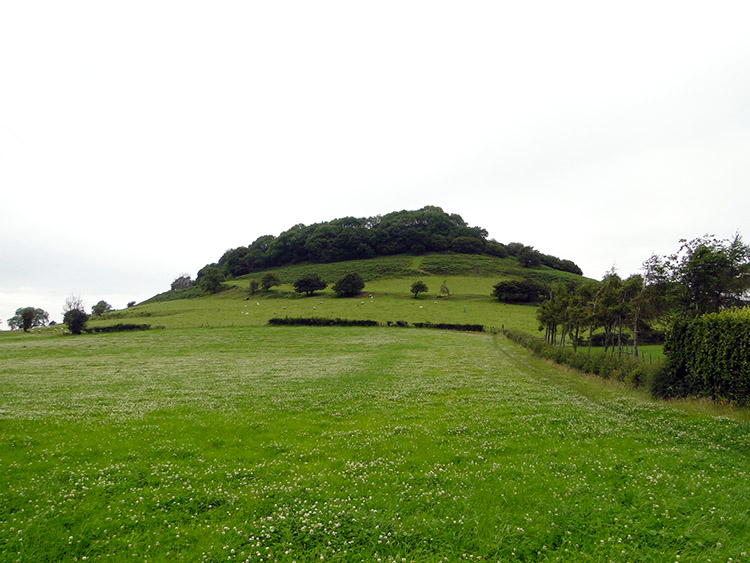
column 254, row 443
column 217, row 437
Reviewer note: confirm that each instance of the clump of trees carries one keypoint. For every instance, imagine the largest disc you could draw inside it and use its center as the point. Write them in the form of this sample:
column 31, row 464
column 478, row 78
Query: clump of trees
column 210, row 278
column 429, row 229
column 706, row 275
column 349, row 286
column 519, row 291
column 26, row 318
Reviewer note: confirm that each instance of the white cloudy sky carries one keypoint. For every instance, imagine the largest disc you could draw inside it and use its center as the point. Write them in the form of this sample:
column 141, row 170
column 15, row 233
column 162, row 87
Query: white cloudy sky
column 142, row 139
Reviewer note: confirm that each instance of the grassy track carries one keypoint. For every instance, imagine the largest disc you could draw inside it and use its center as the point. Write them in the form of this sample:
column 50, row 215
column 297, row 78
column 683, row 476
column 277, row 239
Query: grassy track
column 297, row 444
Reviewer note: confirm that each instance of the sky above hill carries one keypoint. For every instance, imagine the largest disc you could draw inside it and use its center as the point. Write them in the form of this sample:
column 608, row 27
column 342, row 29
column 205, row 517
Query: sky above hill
column 141, row 140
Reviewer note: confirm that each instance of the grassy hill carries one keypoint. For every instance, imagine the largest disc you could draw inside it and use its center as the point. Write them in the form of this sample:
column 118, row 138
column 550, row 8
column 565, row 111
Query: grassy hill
column 386, row 296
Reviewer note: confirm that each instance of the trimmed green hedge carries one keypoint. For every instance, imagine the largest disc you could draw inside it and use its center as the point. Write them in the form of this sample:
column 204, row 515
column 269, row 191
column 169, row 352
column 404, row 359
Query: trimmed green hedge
column 708, row 356
column 121, row 327
column 317, row 321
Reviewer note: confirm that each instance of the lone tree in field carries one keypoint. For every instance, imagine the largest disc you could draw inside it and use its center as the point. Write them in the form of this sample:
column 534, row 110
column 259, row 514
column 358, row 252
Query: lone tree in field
column 75, row 314
column 418, row 287
column 309, row 284
column 28, row 317
column 269, row 280
column 101, row 308
column 349, row 286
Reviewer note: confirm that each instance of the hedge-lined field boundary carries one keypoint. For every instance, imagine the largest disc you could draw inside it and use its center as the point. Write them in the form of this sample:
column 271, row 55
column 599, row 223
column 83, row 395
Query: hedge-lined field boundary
column 317, row 321
column 708, row 356
column 121, row 327
column 630, row 370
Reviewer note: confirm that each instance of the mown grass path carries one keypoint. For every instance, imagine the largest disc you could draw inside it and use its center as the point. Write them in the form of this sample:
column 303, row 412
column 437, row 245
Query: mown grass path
column 298, row 444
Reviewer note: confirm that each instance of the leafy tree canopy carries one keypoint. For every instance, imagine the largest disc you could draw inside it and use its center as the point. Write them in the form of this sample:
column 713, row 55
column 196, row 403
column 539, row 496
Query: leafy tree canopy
column 309, row 284
column 28, row 317
column 101, row 308
column 418, row 287
column 429, row 229
column 349, row 286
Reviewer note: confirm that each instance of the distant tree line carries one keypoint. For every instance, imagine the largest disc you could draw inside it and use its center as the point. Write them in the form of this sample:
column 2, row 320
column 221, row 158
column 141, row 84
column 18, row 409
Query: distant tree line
column 429, row 229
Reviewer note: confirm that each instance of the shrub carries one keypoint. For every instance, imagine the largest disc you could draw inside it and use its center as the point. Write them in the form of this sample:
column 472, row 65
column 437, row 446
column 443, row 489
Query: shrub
column 309, row 284
column 349, row 286
column 518, row 291
column 76, row 320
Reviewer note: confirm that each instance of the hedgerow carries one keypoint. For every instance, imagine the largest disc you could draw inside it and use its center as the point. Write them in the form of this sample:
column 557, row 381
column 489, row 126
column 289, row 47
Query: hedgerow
column 708, row 356
column 317, row 321
column 608, row 366
column 121, row 327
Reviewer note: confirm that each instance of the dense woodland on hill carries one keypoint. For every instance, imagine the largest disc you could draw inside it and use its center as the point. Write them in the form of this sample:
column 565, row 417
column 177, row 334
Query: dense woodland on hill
column 429, row 229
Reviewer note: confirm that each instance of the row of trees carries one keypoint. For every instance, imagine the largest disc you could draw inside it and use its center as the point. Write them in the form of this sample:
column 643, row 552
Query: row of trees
column 706, row 275
column 74, row 315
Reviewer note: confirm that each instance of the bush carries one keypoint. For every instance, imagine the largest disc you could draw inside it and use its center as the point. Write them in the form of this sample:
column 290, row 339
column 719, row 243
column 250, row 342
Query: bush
column 309, row 284
column 76, row 320
column 518, row 291
column 349, row 286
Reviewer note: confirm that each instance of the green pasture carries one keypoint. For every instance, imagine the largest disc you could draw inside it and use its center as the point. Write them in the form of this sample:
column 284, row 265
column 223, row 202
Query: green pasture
column 254, row 443
column 382, row 300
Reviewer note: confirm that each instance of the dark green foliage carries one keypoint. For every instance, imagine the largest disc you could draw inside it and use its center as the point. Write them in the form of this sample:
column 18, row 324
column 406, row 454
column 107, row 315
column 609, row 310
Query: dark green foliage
column 269, row 280
column 426, row 230
column 309, row 284
column 496, row 249
column 467, row 245
column 210, row 279
column 76, row 320
column 131, row 304
column 519, row 291
column 101, row 308
column 418, row 287
column 121, row 327
column 708, row 356
column 349, row 286
column 451, row 326
column 529, row 257
column 316, row 321
column 28, row 317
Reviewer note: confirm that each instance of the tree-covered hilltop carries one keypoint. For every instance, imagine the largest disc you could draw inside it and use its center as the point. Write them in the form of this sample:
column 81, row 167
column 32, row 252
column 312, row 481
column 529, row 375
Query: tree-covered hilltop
column 429, row 229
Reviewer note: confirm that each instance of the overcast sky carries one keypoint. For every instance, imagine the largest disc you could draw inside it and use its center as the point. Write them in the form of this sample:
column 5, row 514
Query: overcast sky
column 142, row 139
